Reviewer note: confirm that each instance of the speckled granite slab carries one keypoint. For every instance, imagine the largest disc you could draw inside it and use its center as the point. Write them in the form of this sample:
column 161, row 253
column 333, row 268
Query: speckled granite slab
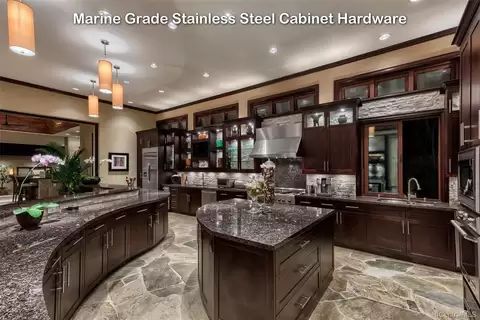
column 24, row 254
column 231, row 220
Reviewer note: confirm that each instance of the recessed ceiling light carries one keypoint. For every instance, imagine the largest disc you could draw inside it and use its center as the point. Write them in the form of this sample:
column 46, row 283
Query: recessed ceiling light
column 415, row 0
column 104, row 12
column 206, row 74
column 154, row 65
column 172, row 25
column 161, row 91
column 273, row 50
column 384, row 37
column 126, row 81
column 75, row 89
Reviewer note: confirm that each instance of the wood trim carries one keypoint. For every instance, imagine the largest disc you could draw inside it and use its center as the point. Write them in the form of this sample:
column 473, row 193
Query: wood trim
column 175, row 119
column 66, row 93
column 370, row 54
column 465, row 22
column 401, row 94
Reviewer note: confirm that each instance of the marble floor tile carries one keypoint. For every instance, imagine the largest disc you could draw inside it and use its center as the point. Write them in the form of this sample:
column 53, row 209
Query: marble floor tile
column 162, row 284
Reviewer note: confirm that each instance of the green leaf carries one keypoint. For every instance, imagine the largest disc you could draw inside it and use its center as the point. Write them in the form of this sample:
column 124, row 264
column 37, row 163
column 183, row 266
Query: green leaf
column 35, row 213
column 19, row 210
column 37, row 206
column 50, row 205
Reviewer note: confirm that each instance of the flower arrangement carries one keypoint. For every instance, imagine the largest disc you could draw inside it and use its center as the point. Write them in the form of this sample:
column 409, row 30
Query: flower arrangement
column 255, row 188
column 268, row 173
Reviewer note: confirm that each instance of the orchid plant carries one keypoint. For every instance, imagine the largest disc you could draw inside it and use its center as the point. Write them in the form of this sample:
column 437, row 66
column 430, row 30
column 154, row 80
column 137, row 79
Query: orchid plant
column 255, row 188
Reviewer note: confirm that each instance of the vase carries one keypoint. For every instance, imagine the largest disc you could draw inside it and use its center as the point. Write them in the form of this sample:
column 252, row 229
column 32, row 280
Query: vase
column 27, row 222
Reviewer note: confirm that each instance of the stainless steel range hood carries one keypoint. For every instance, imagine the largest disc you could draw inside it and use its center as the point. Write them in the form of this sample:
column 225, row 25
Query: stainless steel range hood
column 280, row 141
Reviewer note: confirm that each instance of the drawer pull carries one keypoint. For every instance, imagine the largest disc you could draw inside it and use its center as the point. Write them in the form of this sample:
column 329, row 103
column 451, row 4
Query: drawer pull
column 352, row 207
column 305, row 243
column 143, row 210
column 76, row 242
column 303, row 301
column 305, row 202
column 326, row 204
column 161, row 205
column 304, row 269
column 240, row 196
column 99, row 227
column 224, row 194
column 121, row 217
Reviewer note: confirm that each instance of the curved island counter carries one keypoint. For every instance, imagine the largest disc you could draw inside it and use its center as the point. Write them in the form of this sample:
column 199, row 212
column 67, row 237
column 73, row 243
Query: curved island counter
column 46, row 273
column 266, row 265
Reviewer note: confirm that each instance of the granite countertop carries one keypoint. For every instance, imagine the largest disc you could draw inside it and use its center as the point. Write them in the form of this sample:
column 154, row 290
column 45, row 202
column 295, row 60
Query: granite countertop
column 416, row 203
column 206, row 187
column 24, row 254
column 267, row 230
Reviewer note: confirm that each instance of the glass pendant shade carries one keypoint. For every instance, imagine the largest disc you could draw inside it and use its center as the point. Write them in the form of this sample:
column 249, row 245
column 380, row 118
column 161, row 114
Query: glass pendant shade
column 93, row 106
column 21, row 29
column 117, row 96
column 105, row 76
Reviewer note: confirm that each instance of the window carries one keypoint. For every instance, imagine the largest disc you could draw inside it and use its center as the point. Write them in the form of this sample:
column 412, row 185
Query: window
column 421, row 75
column 174, row 123
column 393, row 154
column 284, row 103
column 215, row 117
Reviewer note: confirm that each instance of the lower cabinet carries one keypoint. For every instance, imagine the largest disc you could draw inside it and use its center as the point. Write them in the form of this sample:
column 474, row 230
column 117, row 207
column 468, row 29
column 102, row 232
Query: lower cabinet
column 385, row 234
column 187, row 200
column 228, row 194
column 350, row 228
column 97, row 250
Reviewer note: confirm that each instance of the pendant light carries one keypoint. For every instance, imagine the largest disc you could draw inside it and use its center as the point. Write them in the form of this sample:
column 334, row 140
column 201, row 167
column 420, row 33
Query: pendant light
column 105, row 71
column 21, row 29
column 93, row 102
column 117, row 92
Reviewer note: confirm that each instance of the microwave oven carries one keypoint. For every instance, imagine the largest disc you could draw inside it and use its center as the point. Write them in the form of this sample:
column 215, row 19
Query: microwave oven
column 469, row 178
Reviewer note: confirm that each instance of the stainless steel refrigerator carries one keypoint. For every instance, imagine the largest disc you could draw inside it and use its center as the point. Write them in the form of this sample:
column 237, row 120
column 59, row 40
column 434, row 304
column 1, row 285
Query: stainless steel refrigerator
column 150, row 168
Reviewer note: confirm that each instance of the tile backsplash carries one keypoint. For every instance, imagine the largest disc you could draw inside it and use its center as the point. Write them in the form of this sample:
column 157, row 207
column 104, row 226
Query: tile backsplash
column 342, row 185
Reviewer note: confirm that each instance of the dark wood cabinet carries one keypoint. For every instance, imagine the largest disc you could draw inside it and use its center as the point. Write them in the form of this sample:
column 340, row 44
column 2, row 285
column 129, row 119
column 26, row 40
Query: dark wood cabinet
column 229, row 194
column 385, row 235
column 186, row 200
column 95, row 255
column 474, row 82
column 206, row 269
column 118, row 239
column 330, row 138
column 72, row 276
column 101, row 247
column 351, row 228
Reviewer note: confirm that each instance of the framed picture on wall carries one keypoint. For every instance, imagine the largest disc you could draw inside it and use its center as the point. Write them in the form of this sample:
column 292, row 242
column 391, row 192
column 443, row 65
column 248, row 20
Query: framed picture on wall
column 119, row 161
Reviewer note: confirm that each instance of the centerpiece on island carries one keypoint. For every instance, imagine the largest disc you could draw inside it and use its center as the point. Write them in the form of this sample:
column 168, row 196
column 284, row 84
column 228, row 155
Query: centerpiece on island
column 268, row 173
column 255, row 191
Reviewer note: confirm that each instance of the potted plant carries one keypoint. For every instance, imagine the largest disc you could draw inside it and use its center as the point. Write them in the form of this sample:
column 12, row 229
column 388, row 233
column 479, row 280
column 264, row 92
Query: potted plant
column 30, row 217
column 4, row 178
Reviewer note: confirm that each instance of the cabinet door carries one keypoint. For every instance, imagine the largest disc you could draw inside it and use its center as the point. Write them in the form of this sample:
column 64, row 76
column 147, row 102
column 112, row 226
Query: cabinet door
column 315, row 145
column 195, row 199
column 465, row 83
column 118, row 235
column 183, row 202
column 141, row 222
column 343, row 149
column 351, row 228
column 95, row 255
column 326, row 251
column 386, row 234
column 72, row 268
column 206, row 271
column 51, row 290
column 453, row 142
column 159, row 228
column 475, row 83
column 430, row 238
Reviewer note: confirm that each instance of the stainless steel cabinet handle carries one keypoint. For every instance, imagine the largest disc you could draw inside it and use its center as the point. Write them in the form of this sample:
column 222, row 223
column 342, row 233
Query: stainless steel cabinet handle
column 99, row 227
column 403, row 227
column 111, row 238
column 449, row 165
column 462, row 232
column 63, row 277
column 341, row 217
column 352, row 207
column 408, row 227
column 143, row 210
column 324, row 166
column 106, row 240
column 303, row 301
column 326, row 204
column 157, row 218
column 305, row 202
column 150, row 221
column 328, row 165
column 224, row 194
column 68, row 274
column 303, row 269
column 240, row 195
column 304, row 243
column 121, row 217
column 76, row 242
column 336, row 217
column 161, row 205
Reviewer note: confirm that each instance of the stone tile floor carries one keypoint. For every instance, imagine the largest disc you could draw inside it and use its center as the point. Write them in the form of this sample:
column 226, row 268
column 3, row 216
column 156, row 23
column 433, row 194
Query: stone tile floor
column 162, row 284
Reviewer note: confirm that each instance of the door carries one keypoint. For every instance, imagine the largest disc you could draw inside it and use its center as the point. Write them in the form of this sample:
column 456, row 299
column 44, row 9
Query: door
column 315, row 148
column 465, row 83
column 150, row 168
column 386, row 233
column 430, row 238
column 95, row 255
column 159, row 228
column 118, row 235
column 141, row 222
column 72, row 278
column 351, row 228
column 343, row 149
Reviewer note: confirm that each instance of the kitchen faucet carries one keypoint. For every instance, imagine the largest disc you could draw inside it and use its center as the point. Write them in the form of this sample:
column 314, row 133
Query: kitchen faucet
column 409, row 195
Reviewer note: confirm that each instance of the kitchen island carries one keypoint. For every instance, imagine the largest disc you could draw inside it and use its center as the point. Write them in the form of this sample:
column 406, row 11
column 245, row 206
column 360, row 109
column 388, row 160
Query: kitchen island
column 46, row 273
column 273, row 264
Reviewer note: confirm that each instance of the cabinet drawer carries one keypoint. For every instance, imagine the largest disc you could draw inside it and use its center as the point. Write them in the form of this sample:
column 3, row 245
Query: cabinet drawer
column 301, row 299
column 385, row 211
column 292, row 270
column 302, row 242
column 143, row 209
column 162, row 207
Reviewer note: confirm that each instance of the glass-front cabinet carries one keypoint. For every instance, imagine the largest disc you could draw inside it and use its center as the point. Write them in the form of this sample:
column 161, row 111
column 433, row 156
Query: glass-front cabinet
column 239, row 142
column 171, row 149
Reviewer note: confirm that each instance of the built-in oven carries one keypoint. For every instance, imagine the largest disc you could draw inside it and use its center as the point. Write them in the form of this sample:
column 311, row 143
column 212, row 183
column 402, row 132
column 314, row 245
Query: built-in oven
column 467, row 239
column 468, row 178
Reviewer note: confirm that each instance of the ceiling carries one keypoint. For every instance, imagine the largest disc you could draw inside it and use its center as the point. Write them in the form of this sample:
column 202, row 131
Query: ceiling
column 24, row 123
column 234, row 56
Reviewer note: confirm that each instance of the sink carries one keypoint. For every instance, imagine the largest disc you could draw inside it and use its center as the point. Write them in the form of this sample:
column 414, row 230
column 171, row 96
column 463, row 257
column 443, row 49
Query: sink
column 404, row 201
column 388, row 200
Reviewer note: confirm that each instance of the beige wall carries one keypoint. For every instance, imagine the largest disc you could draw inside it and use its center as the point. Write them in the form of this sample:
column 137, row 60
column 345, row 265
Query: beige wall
column 116, row 128
column 325, row 79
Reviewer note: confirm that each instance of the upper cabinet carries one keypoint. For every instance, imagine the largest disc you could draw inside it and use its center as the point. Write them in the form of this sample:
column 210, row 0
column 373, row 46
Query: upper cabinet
column 330, row 140
column 284, row 103
column 468, row 39
column 215, row 117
